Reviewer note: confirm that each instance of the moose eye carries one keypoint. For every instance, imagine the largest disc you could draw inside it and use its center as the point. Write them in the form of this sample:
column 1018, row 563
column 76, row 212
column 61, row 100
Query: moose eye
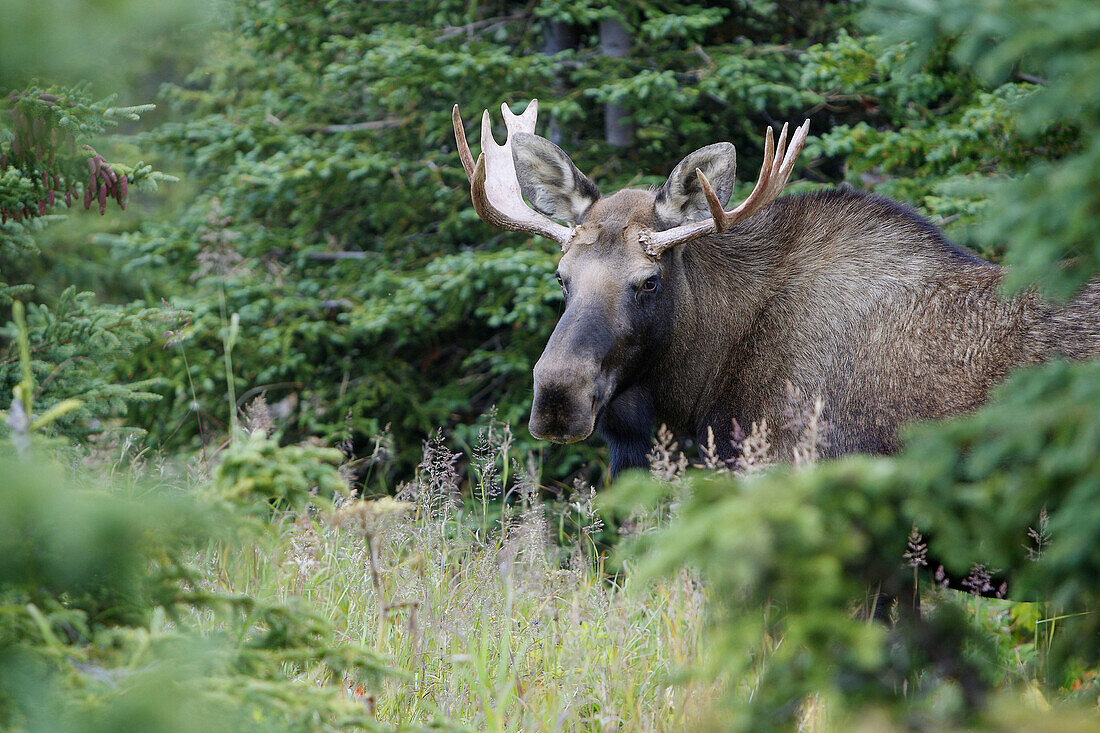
column 560, row 282
column 650, row 284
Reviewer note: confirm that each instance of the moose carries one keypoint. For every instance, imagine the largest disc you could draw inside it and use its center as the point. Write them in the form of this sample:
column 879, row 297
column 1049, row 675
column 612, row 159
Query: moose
column 680, row 311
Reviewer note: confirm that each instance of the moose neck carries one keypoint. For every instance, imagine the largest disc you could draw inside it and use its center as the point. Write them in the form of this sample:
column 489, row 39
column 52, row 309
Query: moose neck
column 721, row 287
column 717, row 287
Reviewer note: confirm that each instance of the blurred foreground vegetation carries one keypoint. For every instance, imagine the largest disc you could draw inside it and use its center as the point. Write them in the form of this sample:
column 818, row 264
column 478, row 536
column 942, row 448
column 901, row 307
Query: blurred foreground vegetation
column 176, row 549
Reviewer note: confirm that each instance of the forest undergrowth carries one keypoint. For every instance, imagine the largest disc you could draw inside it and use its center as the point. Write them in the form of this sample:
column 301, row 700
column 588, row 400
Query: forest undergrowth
column 502, row 604
column 492, row 596
column 176, row 555
column 472, row 597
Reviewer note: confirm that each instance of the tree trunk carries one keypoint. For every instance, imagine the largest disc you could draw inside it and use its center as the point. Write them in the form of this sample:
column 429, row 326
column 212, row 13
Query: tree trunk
column 557, row 37
column 615, row 42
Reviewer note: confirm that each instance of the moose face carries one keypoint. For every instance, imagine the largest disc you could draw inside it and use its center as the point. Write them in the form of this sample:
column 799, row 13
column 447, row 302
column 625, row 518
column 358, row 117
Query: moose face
column 619, row 300
column 620, row 263
column 618, row 310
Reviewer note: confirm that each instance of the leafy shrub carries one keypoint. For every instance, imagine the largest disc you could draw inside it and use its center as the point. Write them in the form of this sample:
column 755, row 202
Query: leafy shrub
column 107, row 621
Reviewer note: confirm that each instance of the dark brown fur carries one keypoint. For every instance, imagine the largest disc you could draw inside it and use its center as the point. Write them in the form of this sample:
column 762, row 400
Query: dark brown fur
column 843, row 295
column 846, row 296
column 857, row 299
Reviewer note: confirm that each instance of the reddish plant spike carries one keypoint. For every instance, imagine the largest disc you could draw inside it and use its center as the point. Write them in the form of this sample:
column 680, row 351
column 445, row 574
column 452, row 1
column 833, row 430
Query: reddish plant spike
column 124, row 186
column 87, row 198
column 91, row 181
column 45, row 179
column 3, row 161
column 102, row 199
column 68, row 200
column 50, row 197
column 42, row 207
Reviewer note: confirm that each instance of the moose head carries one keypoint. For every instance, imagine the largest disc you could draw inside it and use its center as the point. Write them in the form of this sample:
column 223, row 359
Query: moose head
column 620, row 266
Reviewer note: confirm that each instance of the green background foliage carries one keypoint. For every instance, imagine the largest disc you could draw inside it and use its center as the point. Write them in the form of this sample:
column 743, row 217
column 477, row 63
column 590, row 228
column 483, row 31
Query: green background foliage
column 320, row 250
column 325, row 205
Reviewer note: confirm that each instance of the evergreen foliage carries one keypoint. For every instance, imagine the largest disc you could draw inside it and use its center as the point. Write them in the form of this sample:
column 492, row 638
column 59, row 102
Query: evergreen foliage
column 332, row 215
column 47, row 162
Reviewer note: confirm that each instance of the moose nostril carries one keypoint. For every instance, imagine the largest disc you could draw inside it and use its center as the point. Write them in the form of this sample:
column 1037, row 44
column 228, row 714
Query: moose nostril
column 552, row 399
column 564, row 406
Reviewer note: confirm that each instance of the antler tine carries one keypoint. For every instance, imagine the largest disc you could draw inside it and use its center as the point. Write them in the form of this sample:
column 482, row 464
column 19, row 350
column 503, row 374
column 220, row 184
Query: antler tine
column 781, row 143
column 523, row 122
column 715, row 206
column 489, row 143
column 778, row 164
column 758, row 197
column 463, row 147
column 494, row 186
column 784, row 172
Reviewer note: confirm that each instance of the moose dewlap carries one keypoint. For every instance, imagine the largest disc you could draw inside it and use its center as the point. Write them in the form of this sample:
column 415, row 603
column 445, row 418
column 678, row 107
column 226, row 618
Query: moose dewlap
column 680, row 311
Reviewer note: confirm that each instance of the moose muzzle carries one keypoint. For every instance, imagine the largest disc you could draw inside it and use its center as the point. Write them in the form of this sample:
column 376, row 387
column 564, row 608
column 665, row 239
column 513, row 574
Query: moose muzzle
column 564, row 409
column 569, row 378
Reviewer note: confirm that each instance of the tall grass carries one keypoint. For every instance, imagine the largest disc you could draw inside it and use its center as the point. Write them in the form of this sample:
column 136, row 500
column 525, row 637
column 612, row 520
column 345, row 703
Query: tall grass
column 494, row 623
column 498, row 606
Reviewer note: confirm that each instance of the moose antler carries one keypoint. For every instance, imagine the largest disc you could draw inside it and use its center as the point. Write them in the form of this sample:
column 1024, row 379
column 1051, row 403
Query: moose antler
column 774, row 172
column 494, row 187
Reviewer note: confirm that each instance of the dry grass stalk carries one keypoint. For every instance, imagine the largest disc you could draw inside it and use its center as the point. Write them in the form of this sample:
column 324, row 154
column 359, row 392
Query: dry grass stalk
column 494, row 441
column 435, row 492
column 218, row 255
column 916, row 552
column 977, row 581
column 666, row 461
column 804, row 418
column 257, row 416
column 1040, row 537
column 708, row 452
column 756, row 449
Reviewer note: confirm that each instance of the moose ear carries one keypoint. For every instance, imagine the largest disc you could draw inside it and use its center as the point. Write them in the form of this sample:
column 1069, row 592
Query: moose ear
column 549, row 180
column 681, row 199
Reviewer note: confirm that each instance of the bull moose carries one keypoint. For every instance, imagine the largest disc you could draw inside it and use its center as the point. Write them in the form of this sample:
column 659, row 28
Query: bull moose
column 682, row 312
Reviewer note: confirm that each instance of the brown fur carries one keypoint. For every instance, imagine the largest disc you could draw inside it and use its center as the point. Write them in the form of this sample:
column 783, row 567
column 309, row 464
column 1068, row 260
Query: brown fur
column 844, row 295
column 856, row 299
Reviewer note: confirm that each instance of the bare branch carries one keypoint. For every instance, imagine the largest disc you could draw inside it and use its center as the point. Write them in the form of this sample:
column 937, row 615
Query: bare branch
column 485, row 24
column 359, row 126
